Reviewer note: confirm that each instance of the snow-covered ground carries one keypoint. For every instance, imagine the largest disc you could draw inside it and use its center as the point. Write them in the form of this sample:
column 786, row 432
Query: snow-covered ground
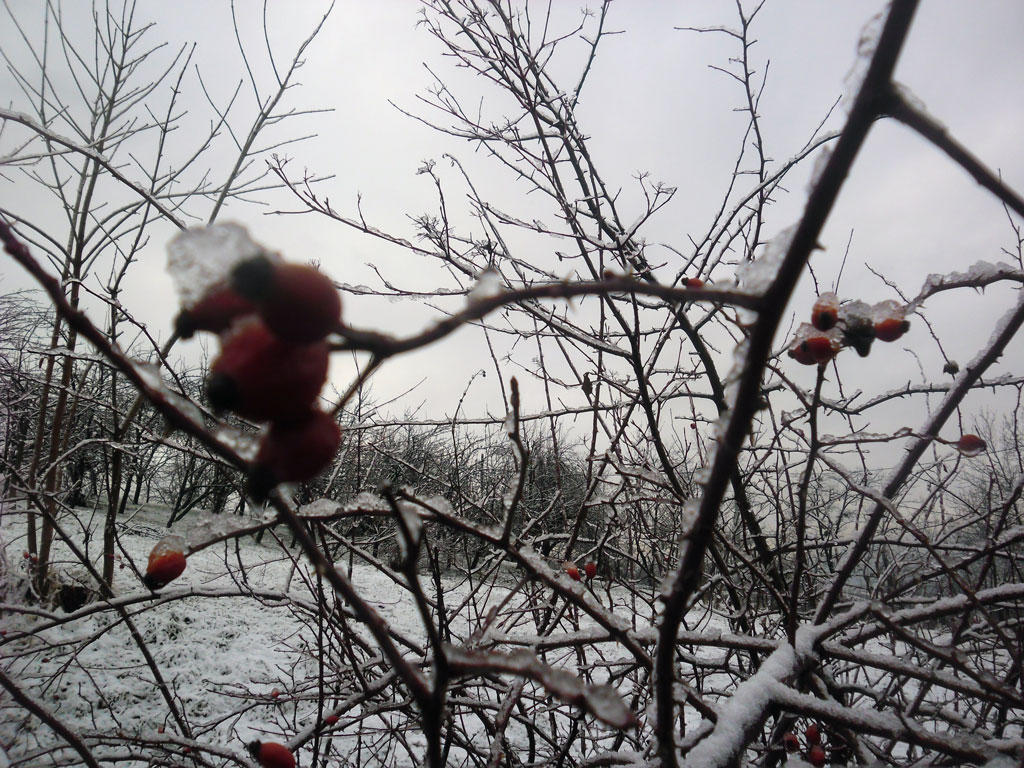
column 231, row 653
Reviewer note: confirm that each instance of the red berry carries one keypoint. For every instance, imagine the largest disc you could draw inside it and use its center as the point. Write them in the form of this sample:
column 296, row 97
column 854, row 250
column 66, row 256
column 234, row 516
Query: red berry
column 270, row 754
column 820, row 348
column 331, row 719
column 298, row 302
column 825, row 311
column 572, row 570
column 263, row 378
column 294, row 451
column 160, row 729
column 166, row 562
column 813, row 734
column 44, row 659
column 891, row 328
column 693, row 282
column 790, row 741
column 275, row 693
column 590, row 569
column 26, row 555
column 816, row 755
column 971, row 445
column 215, row 312
column 801, row 354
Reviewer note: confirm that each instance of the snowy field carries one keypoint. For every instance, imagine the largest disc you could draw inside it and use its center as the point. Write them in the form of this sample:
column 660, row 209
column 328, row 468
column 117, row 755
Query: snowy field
column 234, row 638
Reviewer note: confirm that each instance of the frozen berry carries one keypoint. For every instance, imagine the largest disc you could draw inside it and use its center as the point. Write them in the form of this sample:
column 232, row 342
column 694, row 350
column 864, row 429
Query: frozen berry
column 812, row 734
column 891, row 328
column 790, row 741
column 801, row 354
column 694, row 282
column 166, row 562
column 971, row 445
column 590, row 569
column 294, row 451
column 331, row 719
column 298, row 302
column 572, row 570
column 270, row 754
column 215, row 312
column 263, row 378
column 825, row 312
column 821, row 348
column 816, row 755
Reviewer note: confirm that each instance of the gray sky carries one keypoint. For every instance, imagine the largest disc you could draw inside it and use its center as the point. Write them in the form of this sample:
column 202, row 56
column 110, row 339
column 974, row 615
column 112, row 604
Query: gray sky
column 652, row 105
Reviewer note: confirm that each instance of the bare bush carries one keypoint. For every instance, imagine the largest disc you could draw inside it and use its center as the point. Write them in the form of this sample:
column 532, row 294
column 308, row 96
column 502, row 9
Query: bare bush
column 666, row 550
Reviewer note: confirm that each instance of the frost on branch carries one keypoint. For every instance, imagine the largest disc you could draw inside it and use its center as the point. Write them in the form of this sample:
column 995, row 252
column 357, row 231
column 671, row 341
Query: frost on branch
column 601, row 701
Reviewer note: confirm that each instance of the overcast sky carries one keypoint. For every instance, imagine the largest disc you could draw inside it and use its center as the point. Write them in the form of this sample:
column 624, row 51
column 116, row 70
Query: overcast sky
column 652, row 105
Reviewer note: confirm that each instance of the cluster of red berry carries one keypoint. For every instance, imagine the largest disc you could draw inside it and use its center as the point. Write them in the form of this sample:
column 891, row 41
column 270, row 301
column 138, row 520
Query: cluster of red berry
column 851, row 324
column 589, row 570
column 273, row 319
column 815, row 752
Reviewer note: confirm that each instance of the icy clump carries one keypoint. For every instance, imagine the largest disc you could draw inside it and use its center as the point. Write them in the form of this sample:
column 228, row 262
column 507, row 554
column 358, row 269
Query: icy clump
column 857, row 313
column 441, row 505
column 487, row 286
column 170, row 543
column 319, row 508
column 886, row 310
column 756, row 276
column 150, row 375
column 203, row 256
column 910, row 98
column 207, row 527
column 245, row 445
column 605, row 703
column 367, row 501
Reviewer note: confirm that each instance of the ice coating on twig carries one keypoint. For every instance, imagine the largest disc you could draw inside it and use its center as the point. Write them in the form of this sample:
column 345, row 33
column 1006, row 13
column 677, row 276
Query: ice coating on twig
column 199, row 258
column 408, row 540
column 866, row 46
column 756, row 276
column 820, row 163
column 978, row 275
